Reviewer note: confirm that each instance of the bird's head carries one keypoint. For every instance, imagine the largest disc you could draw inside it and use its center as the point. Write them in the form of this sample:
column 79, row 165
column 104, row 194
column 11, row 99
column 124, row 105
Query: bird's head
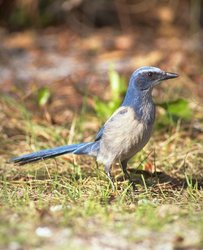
column 145, row 78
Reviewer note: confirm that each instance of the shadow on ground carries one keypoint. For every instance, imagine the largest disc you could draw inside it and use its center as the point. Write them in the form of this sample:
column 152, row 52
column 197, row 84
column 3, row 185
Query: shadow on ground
column 161, row 179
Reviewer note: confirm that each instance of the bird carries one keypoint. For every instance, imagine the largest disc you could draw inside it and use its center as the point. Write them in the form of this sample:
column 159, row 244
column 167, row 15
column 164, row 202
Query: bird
column 125, row 133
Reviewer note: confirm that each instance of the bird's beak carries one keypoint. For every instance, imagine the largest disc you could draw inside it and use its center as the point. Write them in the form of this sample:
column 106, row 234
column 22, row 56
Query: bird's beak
column 168, row 75
column 165, row 76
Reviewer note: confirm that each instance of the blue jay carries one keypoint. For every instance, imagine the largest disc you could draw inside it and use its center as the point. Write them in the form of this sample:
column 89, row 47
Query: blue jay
column 125, row 133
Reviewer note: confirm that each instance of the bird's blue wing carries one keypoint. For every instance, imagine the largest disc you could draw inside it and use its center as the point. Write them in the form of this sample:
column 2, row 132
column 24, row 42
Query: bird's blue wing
column 99, row 134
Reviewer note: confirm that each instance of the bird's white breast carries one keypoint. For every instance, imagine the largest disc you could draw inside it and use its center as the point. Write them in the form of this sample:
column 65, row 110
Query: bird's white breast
column 123, row 136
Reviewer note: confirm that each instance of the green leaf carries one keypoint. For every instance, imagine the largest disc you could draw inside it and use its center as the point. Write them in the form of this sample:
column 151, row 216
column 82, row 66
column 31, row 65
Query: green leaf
column 174, row 110
column 117, row 84
column 117, row 87
column 43, row 96
column 178, row 108
column 114, row 80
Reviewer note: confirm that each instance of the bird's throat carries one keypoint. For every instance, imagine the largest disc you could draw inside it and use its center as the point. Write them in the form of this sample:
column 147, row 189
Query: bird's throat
column 142, row 104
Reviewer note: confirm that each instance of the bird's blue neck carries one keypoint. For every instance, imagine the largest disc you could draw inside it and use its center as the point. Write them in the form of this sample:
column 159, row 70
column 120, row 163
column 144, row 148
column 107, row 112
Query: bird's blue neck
column 141, row 102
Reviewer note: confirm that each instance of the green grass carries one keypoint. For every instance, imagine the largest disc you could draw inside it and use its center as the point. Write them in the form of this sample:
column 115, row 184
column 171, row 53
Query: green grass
column 71, row 199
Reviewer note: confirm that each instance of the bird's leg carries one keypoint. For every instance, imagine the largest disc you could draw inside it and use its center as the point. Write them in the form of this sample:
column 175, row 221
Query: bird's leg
column 126, row 174
column 97, row 165
column 108, row 173
column 124, row 168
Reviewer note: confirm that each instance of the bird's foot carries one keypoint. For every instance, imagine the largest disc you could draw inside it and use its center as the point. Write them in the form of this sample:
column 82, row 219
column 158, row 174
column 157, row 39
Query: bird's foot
column 131, row 182
column 111, row 181
column 108, row 173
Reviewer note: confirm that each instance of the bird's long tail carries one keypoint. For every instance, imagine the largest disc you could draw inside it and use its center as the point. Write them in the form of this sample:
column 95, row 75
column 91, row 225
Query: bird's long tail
column 89, row 148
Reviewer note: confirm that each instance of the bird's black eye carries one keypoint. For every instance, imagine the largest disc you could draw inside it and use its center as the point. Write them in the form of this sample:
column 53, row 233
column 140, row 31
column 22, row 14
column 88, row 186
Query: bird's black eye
column 150, row 74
